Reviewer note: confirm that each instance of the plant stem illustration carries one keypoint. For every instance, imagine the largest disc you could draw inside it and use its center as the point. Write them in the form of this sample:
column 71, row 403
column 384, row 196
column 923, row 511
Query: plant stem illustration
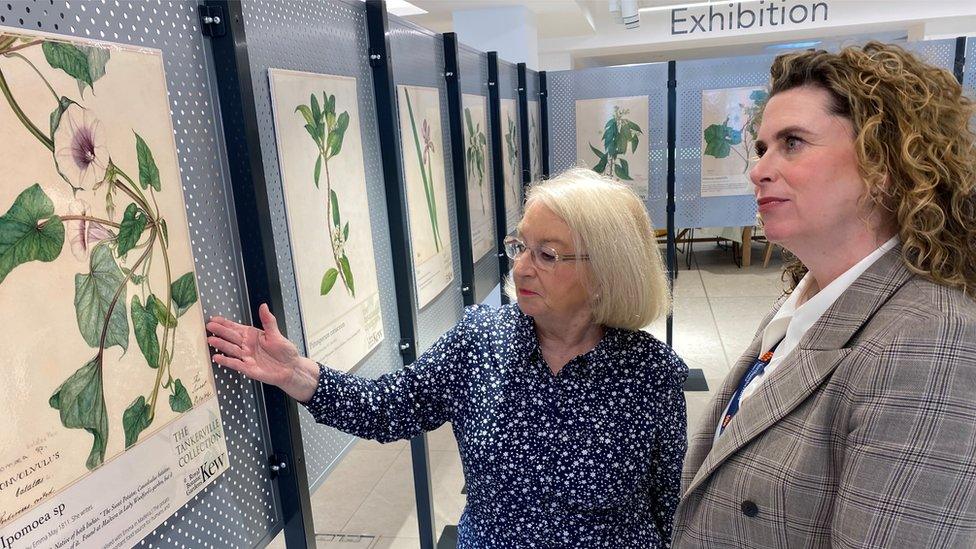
column 723, row 139
column 534, row 146
column 618, row 133
column 511, row 143
column 117, row 288
column 477, row 144
column 328, row 131
column 424, row 158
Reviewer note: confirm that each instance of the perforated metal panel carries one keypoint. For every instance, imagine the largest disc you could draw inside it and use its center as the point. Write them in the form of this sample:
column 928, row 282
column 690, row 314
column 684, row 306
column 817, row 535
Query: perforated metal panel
column 566, row 87
column 417, row 56
column 941, row 53
column 969, row 73
column 474, row 80
column 691, row 209
column 325, row 38
column 239, row 510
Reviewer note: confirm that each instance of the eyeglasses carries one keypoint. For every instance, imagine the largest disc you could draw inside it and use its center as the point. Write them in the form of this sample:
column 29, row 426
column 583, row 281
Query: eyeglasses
column 544, row 257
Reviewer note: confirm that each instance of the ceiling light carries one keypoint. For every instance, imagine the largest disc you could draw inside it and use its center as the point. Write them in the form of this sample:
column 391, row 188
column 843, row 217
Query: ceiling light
column 402, row 8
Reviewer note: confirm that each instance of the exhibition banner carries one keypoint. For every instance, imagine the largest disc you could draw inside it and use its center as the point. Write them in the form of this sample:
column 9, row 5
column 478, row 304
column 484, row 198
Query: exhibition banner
column 112, row 420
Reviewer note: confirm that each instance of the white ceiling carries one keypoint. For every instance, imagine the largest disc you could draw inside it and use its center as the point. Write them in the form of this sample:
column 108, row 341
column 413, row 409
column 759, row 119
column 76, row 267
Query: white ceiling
column 553, row 18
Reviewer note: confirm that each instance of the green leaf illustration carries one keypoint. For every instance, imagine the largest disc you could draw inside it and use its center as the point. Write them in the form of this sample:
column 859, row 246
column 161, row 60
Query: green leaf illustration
column 184, row 293
column 345, row 232
column 622, row 170
column 135, row 420
column 163, row 315
column 601, row 164
column 130, row 230
column 306, row 114
column 71, row 59
column 56, row 115
column 100, row 295
column 719, row 140
column 148, row 172
column 97, row 59
column 180, row 401
column 316, row 110
column 328, row 281
column 144, row 325
column 610, row 134
column 335, row 207
column 29, row 231
column 347, row 274
column 338, row 134
column 318, row 170
column 81, row 403
column 165, row 228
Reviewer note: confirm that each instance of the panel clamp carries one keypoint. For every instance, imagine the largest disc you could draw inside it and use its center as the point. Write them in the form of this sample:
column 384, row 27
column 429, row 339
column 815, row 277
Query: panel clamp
column 212, row 21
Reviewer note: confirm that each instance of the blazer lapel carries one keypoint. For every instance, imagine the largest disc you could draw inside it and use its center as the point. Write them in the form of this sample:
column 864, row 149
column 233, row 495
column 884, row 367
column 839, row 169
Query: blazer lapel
column 814, row 359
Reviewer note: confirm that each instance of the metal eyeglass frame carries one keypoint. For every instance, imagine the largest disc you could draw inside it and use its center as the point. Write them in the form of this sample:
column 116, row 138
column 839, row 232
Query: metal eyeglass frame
column 536, row 253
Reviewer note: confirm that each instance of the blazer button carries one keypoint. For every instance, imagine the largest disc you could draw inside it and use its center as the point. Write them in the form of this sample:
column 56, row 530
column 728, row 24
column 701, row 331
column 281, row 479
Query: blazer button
column 749, row 508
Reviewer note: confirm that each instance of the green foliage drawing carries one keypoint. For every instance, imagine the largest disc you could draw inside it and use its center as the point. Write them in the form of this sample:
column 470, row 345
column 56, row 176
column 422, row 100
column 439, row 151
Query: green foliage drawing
column 511, row 144
column 619, row 133
column 328, row 131
column 534, row 154
column 119, row 253
column 423, row 157
column 477, row 145
column 721, row 140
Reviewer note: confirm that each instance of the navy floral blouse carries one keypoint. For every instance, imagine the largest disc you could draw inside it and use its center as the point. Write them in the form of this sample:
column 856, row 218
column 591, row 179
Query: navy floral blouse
column 590, row 457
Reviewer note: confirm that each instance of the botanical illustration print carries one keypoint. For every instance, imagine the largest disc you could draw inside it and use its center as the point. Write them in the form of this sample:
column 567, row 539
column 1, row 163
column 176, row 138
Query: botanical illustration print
column 95, row 259
column 535, row 143
column 728, row 134
column 480, row 208
column 611, row 139
column 424, row 173
column 323, row 179
column 513, row 167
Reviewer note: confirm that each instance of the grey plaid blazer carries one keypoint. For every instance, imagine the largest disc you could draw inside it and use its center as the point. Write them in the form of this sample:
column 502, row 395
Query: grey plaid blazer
column 864, row 437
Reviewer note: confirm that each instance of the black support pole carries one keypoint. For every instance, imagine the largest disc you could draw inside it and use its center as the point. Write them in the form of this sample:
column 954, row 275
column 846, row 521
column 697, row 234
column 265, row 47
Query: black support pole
column 452, row 71
column 384, row 89
column 523, row 101
column 959, row 65
column 497, row 168
column 672, row 139
column 544, row 122
column 250, row 190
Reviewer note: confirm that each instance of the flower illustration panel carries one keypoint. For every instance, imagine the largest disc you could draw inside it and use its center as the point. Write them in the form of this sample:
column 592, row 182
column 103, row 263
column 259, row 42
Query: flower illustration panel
column 611, row 138
column 323, row 179
column 535, row 140
column 476, row 159
column 728, row 139
column 422, row 142
column 511, row 164
column 109, row 377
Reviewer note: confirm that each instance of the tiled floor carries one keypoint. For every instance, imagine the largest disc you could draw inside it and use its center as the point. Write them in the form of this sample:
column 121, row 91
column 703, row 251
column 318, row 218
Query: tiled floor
column 367, row 501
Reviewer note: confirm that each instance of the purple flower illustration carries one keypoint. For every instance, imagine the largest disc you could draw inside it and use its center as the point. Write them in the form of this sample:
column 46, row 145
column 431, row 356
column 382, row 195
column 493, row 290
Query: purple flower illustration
column 84, row 234
column 79, row 147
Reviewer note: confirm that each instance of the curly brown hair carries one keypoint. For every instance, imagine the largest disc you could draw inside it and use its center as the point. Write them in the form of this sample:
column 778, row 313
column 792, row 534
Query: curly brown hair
column 916, row 152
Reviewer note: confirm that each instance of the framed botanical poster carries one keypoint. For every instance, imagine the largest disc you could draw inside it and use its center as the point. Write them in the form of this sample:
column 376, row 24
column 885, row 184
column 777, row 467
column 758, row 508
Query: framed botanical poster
column 423, row 168
column 480, row 205
column 728, row 138
column 323, row 179
column 112, row 421
column 535, row 140
column 611, row 138
column 511, row 164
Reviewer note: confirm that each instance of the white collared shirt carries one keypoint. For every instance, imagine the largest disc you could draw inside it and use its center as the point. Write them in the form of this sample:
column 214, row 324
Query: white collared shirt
column 792, row 322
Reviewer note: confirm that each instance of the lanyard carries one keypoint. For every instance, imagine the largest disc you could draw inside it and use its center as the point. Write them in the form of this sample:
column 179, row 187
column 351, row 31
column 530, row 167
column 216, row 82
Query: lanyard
column 757, row 369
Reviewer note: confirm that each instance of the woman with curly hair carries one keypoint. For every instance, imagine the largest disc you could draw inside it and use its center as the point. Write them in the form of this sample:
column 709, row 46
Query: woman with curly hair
column 851, row 419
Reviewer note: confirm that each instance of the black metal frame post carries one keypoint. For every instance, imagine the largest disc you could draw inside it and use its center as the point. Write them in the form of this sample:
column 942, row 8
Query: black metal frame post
column 672, row 144
column 377, row 24
column 523, row 101
column 250, row 191
column 544, row 123
column 959, row 64
column 455, row 108
column 497, row 169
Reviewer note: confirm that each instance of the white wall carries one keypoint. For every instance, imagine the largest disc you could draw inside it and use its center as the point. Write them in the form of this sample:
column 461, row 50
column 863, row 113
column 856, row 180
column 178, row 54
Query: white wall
column 511, row 31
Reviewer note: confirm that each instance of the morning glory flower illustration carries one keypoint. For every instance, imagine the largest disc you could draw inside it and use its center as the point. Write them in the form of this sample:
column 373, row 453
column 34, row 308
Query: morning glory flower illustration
column 79, row 147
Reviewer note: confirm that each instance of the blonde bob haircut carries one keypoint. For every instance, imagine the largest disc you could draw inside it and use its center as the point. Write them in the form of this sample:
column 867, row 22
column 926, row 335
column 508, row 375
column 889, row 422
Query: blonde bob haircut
column 625, row 276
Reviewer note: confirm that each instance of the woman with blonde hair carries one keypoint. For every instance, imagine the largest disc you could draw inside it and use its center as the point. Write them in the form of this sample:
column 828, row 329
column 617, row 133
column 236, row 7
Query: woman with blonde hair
column 851, row 419
column 570, row 421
